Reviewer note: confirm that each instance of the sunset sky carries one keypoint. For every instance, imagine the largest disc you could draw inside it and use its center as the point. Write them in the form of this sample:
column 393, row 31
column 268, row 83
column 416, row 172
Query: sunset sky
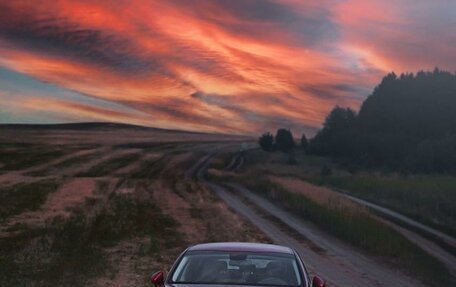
column 237, row 66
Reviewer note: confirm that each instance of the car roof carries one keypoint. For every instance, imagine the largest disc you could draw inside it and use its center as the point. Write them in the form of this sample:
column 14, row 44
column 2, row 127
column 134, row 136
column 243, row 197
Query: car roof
column 241, row 247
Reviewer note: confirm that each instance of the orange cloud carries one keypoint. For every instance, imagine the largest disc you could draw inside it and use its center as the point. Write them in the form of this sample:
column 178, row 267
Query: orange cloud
column 227, row 66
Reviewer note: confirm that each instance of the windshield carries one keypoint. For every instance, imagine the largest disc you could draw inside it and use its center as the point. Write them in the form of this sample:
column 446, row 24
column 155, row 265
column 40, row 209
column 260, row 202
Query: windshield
column 237, row 268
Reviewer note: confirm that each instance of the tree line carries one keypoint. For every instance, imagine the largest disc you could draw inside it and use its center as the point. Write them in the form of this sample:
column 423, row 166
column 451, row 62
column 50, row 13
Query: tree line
column 282, row 141
column 408, row 124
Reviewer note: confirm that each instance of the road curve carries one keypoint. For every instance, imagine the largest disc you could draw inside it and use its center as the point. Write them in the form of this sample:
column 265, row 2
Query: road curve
column 339, row 264
column 451, row 241
column 447, row 258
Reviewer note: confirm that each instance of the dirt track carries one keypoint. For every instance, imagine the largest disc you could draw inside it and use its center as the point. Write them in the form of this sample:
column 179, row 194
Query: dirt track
column 335, row 261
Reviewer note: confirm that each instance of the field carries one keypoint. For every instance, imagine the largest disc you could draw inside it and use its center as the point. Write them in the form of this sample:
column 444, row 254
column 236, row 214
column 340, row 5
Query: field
column 298, row 188
column 107, row 205
column 430, row 199
column 104, row 207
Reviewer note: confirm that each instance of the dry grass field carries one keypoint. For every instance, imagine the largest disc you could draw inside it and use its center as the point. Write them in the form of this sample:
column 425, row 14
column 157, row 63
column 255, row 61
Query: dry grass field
column 107, row 205
column 104, row 206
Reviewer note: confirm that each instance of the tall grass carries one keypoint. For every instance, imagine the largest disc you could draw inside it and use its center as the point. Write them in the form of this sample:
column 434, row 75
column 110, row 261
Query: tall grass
column 358, row 229
column 430, row 199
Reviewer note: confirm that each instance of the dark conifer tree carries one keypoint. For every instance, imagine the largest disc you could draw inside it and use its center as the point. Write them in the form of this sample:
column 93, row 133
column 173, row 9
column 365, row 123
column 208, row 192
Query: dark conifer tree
column 284, row 140
column 266, row 141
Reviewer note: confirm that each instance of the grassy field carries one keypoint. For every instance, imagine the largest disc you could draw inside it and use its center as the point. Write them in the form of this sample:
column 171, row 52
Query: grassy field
column 76, row 250
column 73, row 251
column 71, row 162
column 355, row 227
column 24, row 197
column 103, row 218
column 25, row 155
column 110, row 166
column 85, row 208
column 430, row 199
column 148, row 168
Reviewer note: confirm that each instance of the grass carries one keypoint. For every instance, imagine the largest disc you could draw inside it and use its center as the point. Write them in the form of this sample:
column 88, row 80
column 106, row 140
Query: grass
column 148, row 146
column 148, row 168
column 430, row 199
column 71, row 252
column 57, row 255
column 24, row 197
column 64, row 164
column 126, row 217
column 254, row 158
column 222, row 160
column 110, row 166
column 20, row 156
column 355, row 227
column 358, row 229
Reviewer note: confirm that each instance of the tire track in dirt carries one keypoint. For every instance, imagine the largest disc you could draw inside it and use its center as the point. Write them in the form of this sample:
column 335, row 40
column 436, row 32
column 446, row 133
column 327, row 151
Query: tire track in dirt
column 340, row 266
column 447, row 239
column 313, row 191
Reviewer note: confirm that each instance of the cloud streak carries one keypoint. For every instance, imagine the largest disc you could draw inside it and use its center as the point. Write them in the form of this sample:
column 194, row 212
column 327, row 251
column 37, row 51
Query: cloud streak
column 218, row 66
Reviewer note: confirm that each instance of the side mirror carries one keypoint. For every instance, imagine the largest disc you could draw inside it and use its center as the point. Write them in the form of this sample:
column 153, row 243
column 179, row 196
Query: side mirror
column 318, row 282
column 158, row 279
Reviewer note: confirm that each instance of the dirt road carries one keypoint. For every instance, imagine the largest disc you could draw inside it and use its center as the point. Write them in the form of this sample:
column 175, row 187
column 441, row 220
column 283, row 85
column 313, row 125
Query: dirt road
column 335, row 261
column 401, row 218
column 391, row 217
column 429, row 246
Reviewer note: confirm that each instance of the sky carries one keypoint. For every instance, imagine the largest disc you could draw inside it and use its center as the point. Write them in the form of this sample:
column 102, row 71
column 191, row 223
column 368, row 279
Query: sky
column 230, row 66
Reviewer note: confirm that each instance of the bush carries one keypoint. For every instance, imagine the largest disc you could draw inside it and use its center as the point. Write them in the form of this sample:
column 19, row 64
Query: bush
column 266, row 142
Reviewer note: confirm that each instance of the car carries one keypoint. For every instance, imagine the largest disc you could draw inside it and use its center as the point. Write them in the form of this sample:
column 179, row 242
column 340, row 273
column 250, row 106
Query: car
column 237, row 264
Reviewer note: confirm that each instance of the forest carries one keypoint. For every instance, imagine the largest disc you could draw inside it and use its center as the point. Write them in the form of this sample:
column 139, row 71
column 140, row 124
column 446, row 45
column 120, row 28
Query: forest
column 407, row 124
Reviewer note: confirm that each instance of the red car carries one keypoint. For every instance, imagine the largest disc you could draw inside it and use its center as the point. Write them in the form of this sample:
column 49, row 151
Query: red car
column 238, row 264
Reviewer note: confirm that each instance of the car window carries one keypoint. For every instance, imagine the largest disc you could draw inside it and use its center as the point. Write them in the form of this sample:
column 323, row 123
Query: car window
column 237, row 268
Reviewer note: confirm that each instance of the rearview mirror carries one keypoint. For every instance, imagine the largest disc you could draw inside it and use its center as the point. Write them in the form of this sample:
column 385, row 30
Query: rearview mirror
column 158, row 279
column 238, row 256
column 318, row 282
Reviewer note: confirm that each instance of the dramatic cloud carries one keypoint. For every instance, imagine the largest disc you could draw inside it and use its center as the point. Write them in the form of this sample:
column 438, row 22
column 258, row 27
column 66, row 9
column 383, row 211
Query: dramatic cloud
column 211, row 65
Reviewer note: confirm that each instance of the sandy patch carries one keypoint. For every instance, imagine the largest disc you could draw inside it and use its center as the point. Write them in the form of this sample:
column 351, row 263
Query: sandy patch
column 72, row 194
